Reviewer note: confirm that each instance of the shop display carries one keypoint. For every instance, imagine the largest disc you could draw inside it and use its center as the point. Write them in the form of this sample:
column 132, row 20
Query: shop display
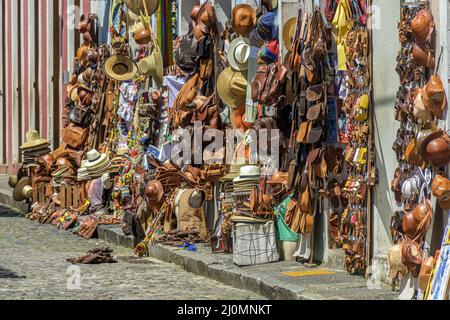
column 421, row 147
column 130, row 152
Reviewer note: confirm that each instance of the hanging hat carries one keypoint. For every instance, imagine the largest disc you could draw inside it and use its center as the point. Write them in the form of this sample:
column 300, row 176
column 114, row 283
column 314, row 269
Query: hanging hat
column 267, row 26
column 12, row 181
column 243, row 19
column 270, row 5
column 433, row 96
column 435, row 149
column 21, row 192
column 33, row 140
column 289, row 33
column 152, row 65
column 206, row 18
column 232, row 87
column 239, row 53
column 154, row 192
column 121, row 67
column 269, row 52
column 137, row 6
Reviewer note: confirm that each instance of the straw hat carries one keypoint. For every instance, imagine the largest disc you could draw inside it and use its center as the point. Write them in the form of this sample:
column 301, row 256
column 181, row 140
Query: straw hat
column 235, row 168
column 96, row 160
column 152, row 65
column 33, row 140
column 243, row 19
column 289, row 33
column 248, row 174
column 239, row 53
column 121, row 67
column 137, row 6
column 21, row 192
column 12, row 181
column 232, row 87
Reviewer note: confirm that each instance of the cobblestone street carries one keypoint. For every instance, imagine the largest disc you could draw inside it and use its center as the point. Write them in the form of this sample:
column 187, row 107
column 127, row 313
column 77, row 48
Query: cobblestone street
column 33, row 266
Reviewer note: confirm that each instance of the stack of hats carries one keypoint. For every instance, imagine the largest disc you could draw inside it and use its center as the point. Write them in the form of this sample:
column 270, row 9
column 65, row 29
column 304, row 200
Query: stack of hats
column 65, row 170
column 95, row 166
column 234, row 172
column 249, row 178
column 34, row 147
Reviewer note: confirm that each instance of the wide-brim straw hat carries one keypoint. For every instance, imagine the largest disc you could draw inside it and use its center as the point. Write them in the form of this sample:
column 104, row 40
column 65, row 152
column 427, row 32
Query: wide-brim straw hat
column 33, row 140
column 152, row 65
column 137, row 6
column 232, row 87
column 20, row 193
column 121, row 67
column 289, row 33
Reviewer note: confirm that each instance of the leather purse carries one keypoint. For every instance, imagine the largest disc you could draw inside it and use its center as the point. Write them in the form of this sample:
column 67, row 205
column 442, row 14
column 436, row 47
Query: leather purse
column 80, row 115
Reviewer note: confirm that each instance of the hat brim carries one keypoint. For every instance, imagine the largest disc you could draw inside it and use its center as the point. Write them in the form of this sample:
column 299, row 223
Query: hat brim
column 92, row 165
column 152, row 7
column 235, row 28
column 223, row 88
column 127, row 61
column 17, row 193
column 230, row 54
column 34, row 144
column 289, row 33
column 425, row 142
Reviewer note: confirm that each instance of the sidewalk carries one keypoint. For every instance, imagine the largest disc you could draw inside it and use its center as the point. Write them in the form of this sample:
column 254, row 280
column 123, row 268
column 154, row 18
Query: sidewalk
column 270, row 280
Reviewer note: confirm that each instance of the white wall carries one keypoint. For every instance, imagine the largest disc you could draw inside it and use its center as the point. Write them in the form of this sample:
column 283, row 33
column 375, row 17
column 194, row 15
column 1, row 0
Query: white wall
column 385, row 84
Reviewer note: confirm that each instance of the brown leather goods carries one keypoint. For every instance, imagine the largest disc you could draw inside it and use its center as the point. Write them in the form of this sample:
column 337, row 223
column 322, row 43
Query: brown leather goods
column 422, row 26
column 269, row 83
column 425, row 272
column 440, row 188
column 412, row 256
column 314, row 135
column 278, row 178
column 435, row 149
column 314, row 93
column 409, row 225
column 395, row 260
column 207, row 19
column 303, row 131
column 80, row 115
column 238, row 119
column 424, row 55
column 154, row 192
column 434, row 98
column 191, row 211
column 75, row 136
column 243, row 19
column 420, row 111
column 194, row 13
column 316, row 112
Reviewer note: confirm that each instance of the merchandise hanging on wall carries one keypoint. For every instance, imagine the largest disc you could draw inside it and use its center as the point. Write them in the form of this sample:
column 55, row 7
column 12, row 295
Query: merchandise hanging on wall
column 122, row 160
column 421, row 148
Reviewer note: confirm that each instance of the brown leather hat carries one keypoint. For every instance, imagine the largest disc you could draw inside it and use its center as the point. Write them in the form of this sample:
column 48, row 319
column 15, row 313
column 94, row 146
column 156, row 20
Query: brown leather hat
column 422, row 25
column 279, row 178
column 154, row 192
column 435, row 149
column 194, row 13
column 424, row 55
column 207, row 19
column 433, row 96
column 441, row 190
column 243, row 19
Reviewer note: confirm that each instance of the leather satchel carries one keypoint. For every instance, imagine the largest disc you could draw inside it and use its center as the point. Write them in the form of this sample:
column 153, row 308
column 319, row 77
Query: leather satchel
column 269, row 83
column 74, row 136
column 80, row 115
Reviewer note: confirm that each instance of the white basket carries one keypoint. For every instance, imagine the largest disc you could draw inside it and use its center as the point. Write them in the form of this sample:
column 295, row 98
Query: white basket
column 254, row 243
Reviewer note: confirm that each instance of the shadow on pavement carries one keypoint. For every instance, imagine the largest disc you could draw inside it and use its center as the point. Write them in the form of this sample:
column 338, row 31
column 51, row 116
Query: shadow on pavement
column 8, row 212
column 8, row 274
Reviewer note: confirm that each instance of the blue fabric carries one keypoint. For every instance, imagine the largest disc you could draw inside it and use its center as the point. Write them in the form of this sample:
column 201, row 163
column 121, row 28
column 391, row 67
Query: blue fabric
column 267, row 26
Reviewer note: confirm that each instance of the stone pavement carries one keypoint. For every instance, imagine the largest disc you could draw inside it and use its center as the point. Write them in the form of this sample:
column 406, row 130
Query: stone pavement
column 33, row 266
